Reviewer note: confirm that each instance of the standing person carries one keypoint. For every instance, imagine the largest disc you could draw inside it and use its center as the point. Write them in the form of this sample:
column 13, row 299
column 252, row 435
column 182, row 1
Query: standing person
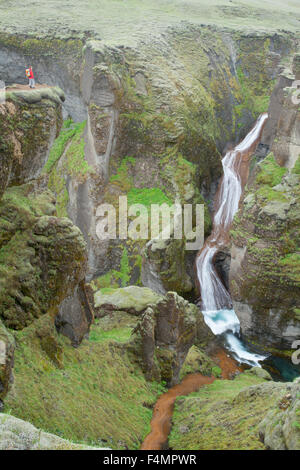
column 29, row 74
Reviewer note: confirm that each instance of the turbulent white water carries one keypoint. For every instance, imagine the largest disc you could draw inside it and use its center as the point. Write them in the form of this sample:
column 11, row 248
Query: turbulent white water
column 216, row 300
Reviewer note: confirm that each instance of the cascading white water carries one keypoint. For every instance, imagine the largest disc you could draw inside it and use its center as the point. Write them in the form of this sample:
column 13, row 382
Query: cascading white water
column 216, row 300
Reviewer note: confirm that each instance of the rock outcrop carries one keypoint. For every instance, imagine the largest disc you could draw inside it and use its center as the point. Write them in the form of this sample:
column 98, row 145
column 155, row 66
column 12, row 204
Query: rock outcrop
column 43, row 259
column 29, row 122
column 164, row 267
column 75, row 314
column 280, row 429
column 16, row 434
column 130, row 299
column 167, row 330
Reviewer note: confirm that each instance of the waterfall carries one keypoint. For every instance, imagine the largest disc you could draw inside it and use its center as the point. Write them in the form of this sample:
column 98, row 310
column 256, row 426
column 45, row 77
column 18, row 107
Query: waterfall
column 216, row 302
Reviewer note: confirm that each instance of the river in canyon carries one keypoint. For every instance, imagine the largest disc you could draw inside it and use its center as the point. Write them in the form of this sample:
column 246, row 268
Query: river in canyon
column 216, row 304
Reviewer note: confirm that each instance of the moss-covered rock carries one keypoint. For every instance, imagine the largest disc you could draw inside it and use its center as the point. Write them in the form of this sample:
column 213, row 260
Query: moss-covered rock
column 259, row 372
column 16, row 434
column 280, row 429
column 197, row 361
column 42, row 257
column 28, row 127
column 132, row 299
column 165, row 333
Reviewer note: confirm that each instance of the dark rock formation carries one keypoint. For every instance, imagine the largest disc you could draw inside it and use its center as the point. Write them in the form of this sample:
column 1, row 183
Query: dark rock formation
column 75, row 315
column 29, row 123
column 167, row 330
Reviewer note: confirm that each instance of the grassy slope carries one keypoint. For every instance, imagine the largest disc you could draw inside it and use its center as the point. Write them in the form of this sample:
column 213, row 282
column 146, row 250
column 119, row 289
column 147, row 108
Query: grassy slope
column 126, row 21
column 93, row 394
column 214, row 418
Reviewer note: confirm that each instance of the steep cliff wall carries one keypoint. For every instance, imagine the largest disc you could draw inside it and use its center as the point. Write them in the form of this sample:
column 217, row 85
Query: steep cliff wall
column 264, row 273
column 42, row 257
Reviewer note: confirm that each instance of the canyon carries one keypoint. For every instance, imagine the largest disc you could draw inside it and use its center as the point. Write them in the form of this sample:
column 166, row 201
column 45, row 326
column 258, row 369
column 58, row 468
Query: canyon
column 176, row 102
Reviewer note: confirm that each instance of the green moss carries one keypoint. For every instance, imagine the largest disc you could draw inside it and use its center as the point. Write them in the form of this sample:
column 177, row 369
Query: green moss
column 257, row 103
column 291, row 265
column 121, row 335
column 268, row 194
column 60, row 143
column 108, row 281
column 270, row 173
column 114, row 278
column 296, row 169
column 47, row 47
column 122, row 178
column 147, row 196
column 71, row 146
column 99, row 396
column 216, row 371
column 198, row 362
column 124, row 268
column 297, row 313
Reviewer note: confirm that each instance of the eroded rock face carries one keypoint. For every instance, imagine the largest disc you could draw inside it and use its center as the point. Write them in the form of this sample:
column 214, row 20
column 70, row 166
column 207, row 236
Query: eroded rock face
column 164, row 267
column 264, row 272
column 29, row 123
column 44, row 257
column 282, row 132
column 75, row 315
column 167, row 330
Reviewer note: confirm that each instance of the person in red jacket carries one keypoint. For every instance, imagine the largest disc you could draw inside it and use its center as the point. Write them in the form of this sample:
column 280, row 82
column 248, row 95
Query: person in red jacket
column 29, row 74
